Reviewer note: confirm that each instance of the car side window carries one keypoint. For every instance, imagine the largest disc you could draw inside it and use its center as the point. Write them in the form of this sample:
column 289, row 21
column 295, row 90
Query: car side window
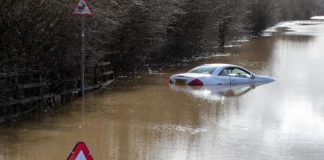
column 238, row 72
column 224, row 72
column 235, row 72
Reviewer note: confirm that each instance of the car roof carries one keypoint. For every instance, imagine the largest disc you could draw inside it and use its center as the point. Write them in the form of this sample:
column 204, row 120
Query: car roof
column 221, row 66
column 218, row 65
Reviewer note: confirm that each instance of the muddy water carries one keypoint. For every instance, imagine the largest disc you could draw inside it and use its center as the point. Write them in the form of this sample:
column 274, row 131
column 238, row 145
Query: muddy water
column 145, row 118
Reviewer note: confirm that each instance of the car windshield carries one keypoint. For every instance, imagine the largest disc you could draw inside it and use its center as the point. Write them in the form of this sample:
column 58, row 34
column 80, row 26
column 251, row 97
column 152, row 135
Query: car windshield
column 203, row 70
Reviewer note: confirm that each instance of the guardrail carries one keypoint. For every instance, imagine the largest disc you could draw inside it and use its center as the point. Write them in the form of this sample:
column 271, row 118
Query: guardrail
column 23, row 91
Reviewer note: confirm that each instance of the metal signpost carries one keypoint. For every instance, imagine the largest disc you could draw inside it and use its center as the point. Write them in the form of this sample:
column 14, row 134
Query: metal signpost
column 83, row 10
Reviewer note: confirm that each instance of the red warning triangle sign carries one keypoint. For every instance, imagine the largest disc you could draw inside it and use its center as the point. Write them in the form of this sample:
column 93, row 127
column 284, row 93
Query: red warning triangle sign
column 82, row 9
column 80, row 152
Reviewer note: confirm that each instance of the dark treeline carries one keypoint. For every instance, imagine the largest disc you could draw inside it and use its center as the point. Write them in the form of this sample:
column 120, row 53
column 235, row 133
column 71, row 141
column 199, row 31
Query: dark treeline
column 41, row 34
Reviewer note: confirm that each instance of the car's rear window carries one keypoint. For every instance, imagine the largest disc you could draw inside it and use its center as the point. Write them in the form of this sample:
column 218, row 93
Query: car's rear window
column 203, row 70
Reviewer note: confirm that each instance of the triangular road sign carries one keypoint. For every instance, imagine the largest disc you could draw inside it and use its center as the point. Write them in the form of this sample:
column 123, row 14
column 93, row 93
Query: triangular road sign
column 80, row 152
column 82, row 9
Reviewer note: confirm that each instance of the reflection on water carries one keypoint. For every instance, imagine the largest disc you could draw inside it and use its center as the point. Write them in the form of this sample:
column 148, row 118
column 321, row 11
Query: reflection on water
column 216, row 93
column 145, row 118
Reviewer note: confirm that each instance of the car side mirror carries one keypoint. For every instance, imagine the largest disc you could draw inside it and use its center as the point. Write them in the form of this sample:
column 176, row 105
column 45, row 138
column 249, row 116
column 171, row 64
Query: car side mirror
column 252, row 76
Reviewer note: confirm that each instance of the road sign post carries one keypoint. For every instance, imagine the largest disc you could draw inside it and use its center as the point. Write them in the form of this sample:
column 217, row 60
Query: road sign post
column 82, row 57
column 84, row 10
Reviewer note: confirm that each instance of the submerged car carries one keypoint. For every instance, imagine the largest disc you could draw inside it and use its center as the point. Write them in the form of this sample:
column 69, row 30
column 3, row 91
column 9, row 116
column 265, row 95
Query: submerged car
column 218, row 74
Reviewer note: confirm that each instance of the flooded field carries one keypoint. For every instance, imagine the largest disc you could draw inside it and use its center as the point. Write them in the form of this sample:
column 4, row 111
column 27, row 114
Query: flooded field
column 144, row 118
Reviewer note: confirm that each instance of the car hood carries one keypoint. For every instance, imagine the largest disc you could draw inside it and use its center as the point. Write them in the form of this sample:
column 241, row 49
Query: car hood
column 264, row 79
column 191, row 75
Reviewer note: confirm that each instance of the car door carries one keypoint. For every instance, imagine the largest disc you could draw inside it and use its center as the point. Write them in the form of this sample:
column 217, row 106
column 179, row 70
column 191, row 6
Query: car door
column 239, row 75
column 222, row 78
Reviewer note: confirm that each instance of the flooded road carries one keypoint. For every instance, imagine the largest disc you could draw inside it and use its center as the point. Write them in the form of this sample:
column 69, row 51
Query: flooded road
column 145, row 118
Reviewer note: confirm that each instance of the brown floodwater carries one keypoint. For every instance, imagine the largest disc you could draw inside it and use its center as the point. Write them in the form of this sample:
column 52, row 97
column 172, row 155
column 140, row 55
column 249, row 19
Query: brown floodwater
column 143, row 118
